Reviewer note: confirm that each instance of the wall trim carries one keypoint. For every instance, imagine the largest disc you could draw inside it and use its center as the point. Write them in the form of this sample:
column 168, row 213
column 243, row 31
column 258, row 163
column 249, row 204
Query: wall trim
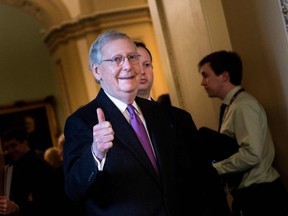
column 95, row 23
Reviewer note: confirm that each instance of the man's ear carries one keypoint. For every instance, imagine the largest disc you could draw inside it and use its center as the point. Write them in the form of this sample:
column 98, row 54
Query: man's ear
column 95, row 72
column 226, row 76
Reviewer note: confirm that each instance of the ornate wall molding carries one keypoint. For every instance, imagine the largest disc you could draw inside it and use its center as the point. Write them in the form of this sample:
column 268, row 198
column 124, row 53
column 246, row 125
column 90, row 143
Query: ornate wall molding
column 47, row 13
column 94, row 23
column 27, row 6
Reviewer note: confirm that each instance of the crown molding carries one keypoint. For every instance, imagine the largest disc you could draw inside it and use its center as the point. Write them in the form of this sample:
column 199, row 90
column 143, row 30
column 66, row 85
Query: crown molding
column 94, row 23
column 27, row 6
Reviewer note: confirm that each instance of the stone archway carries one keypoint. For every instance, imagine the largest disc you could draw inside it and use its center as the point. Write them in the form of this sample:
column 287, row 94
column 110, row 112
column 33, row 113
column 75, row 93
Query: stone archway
column 48, row 13
column 26, row 69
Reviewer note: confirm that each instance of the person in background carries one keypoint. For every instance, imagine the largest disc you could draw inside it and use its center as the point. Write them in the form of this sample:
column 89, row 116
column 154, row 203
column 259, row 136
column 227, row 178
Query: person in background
column 260, row 191
column 146, row 71
column 38, row 138
column 216, row 202
column 164, row 99
column 147, row 74
column 8, row 207
column 64, row 205
column 60, row 145
column 52, row 156
column 32, row 185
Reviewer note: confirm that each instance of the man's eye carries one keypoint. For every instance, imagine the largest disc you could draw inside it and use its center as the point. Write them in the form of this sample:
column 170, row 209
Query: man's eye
column 132, row 57
column 147, row 65
column 117, row 59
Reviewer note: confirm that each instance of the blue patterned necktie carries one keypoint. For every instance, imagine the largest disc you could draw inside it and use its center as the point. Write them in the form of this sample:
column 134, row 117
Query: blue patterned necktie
column 142, row 135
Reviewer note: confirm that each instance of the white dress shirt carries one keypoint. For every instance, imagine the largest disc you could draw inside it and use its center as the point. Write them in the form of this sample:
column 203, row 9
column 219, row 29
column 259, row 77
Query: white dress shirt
column 245, row 119
column 123, row 108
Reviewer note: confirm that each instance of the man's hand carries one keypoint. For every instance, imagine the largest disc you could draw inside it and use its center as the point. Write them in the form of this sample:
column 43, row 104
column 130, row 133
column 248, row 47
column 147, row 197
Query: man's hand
column 103, row 135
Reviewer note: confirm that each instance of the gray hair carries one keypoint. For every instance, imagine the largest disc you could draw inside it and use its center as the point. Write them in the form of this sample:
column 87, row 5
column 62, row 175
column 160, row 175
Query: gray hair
column 95, row 55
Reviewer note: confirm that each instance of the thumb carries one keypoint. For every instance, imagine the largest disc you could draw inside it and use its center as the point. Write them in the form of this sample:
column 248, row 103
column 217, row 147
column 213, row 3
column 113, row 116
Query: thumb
column 100, row 115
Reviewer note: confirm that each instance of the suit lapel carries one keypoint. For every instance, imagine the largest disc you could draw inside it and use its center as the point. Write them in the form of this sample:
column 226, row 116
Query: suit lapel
column 163, row 136
column 159, row 130
column 124, row 133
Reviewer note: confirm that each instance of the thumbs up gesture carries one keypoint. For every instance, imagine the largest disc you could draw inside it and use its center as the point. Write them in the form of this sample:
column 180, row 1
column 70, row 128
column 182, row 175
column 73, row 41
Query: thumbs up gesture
column 103, row 135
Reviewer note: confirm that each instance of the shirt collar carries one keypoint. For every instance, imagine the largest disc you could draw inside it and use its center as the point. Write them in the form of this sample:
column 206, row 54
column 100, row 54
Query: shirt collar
column 230, row 94
column 121, row 105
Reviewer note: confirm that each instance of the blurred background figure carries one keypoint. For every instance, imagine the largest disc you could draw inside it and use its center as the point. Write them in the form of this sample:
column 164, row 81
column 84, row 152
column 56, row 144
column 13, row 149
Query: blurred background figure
column 164, row 99
column 32, row 185
column 60, row 145
column 39, row 139
column 65, row 206
column 52, row 156
column 8, row 207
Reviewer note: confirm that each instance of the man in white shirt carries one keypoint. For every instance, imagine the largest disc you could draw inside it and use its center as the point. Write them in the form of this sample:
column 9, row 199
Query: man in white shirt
column 260, row 191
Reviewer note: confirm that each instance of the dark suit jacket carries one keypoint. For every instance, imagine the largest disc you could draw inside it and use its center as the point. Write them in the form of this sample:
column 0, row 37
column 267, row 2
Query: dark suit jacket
column 129, row 185
column 32, row 185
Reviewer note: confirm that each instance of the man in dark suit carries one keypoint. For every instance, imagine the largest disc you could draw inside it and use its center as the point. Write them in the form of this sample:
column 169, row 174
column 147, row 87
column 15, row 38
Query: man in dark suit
column 215, row 197
column 106, row 166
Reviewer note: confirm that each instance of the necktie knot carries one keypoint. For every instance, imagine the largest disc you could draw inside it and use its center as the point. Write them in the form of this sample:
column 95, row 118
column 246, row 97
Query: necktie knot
column 137, row 124
column 131, row 111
